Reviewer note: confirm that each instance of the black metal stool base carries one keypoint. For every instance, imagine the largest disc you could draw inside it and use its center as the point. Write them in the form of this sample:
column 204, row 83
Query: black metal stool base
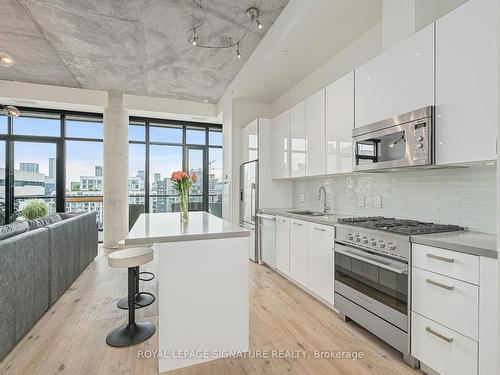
column 130, row 334
column 142, row 299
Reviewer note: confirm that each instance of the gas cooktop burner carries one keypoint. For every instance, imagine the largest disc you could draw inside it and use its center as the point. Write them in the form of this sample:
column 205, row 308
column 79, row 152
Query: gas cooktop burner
column 407, row 227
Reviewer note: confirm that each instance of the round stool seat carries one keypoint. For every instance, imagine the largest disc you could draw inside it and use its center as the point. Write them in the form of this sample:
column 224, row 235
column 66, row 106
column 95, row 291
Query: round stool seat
column 131, row 257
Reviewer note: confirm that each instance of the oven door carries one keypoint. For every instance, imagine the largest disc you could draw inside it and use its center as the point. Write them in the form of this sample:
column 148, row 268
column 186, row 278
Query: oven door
column 374, row 282
column 397, row 146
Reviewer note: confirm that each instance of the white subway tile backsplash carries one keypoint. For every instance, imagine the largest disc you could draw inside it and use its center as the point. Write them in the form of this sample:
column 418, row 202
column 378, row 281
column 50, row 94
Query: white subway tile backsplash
column 463, row 196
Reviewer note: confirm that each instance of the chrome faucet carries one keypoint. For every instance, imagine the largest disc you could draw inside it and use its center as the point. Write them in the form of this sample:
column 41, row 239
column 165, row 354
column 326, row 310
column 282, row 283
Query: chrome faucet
column 326, row 207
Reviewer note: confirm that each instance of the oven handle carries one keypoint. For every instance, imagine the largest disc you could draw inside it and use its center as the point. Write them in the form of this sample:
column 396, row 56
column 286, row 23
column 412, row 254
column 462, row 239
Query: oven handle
column 397, row 267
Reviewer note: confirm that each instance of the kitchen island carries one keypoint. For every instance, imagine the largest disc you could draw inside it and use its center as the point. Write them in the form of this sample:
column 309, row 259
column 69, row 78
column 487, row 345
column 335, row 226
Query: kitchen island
column 203, row 287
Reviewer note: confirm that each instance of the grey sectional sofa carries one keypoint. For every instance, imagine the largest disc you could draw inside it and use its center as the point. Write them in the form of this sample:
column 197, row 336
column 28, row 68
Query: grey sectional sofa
column 37, row 267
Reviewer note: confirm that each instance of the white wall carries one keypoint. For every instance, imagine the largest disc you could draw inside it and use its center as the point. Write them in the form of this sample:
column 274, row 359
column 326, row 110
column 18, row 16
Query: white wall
column 360, row 51
column 236, row 114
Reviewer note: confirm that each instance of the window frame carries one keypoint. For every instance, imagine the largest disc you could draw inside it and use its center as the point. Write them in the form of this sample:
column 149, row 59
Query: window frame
column 148, row 122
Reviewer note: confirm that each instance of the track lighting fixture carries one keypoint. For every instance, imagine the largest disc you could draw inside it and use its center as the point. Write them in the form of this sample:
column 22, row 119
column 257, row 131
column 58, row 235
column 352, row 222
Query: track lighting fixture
column 6, row 60
column 252, row 16
column 10, row 110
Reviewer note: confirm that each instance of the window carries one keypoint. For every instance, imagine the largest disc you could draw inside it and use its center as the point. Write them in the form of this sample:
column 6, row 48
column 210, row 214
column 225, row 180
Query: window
column 163, row 160
column 63, row 171
column 215, row 181
column 171, row 147
column 215, row 138
column 3, row 124
column 48, row 125
column 137, row 133
column 165, row 134
column 34, row 175
column 84, row 128
column 84, row 178
column 195, row 137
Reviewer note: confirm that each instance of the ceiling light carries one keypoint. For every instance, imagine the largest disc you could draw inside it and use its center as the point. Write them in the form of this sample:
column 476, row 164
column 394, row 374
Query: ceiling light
column 6, row 60
column 252, row 16
column 11, row 111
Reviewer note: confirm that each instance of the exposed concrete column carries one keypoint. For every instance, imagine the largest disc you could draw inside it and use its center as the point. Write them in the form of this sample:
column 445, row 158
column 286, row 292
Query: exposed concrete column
column 115, row 171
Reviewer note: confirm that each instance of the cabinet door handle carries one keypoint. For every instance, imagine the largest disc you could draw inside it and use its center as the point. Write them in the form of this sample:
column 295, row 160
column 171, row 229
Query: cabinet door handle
column 321, row 229
column 435, row 283
column 437, row 334
column 443, row 259
column 297, row 223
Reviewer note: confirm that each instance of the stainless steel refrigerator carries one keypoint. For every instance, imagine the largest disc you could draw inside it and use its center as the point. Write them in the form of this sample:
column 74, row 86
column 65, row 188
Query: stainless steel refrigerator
column 249, row 203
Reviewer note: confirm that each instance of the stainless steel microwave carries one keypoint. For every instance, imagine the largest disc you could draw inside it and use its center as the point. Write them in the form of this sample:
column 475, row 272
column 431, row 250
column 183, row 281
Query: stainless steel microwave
column 399, row 142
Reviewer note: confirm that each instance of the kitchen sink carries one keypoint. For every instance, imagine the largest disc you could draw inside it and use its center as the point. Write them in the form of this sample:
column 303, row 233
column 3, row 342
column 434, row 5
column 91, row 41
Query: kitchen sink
column 306, row 213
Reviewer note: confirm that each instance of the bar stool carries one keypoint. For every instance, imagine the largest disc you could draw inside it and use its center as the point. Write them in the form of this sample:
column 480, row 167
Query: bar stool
column 133, row 332
column 142, row 299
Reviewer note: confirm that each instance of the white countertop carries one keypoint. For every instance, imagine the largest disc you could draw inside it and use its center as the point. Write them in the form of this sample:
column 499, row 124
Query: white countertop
column 167, row 227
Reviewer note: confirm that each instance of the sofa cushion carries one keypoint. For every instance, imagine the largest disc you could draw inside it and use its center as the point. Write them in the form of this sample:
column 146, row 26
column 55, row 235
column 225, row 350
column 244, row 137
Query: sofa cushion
column 13, row 229
column 68, row 215
column 44, row 221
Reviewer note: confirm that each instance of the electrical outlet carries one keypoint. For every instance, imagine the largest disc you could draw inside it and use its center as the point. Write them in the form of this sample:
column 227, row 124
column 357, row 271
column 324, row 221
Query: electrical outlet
column 361, row 201
column 302, row 197
column 378, row 201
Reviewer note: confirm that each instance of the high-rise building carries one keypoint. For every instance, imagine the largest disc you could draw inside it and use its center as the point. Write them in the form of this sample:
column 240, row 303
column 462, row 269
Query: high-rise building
column 98, row 171
column 142, row 175
column 157, row 177
column 52, row 168
column 29, row 167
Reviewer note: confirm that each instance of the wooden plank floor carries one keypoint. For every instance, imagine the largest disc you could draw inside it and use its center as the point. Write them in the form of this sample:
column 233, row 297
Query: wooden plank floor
column 70, row 337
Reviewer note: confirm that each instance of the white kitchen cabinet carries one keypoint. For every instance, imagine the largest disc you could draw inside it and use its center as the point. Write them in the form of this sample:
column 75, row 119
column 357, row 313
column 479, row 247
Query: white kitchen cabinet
column 298, row 251
column 339, row 124
column 442, row 349
column 320, row 261
column 250, row 142
column 466, row 83
column 399, row 80
column 281, row 141
column 298, row 140
column 283, row 244
column 315, row 134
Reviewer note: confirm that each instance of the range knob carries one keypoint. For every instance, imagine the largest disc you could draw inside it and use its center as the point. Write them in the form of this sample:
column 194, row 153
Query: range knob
column 420, row 145
column 373, row 242
column 358, row 239
column 365, row 240
column 391, row 246
column 381, row 244
column 419, row 138
column 350, row 237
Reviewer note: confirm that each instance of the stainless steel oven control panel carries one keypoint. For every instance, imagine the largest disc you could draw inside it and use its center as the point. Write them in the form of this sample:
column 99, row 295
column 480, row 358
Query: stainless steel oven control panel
column 388, row 244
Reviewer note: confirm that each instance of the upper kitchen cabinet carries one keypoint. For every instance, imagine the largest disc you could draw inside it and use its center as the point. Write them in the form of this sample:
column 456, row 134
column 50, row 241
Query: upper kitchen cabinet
column 281, row 142
column 398, row 81
column 339, row 125
column 315, row 134
column 298, row 140
column 249, row 142
column 466, row 83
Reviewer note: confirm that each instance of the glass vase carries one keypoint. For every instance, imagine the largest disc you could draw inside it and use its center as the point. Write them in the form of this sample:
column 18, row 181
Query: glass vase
column 184, row 206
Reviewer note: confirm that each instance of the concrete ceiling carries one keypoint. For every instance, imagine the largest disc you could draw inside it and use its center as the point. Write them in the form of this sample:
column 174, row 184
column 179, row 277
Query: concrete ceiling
column 134, row 46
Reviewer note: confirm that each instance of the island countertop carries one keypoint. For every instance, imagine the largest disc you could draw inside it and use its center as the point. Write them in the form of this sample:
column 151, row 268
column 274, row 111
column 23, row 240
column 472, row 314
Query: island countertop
column 167, row 227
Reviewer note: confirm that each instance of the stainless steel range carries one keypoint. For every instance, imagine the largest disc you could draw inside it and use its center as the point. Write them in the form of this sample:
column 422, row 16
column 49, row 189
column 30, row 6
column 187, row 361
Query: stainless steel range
column 372, row 274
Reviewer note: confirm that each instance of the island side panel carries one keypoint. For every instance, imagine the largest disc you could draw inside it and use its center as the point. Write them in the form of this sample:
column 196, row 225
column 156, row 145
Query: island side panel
column 203, row 294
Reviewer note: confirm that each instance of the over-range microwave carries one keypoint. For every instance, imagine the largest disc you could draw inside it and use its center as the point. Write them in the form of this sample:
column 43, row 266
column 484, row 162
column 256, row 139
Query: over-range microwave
column 399, row 142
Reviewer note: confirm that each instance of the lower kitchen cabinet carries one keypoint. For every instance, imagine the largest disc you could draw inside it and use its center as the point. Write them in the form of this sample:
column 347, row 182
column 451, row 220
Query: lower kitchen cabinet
column 454, row 311
column 298, row 251
column 320, row 260
column 283, row 244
